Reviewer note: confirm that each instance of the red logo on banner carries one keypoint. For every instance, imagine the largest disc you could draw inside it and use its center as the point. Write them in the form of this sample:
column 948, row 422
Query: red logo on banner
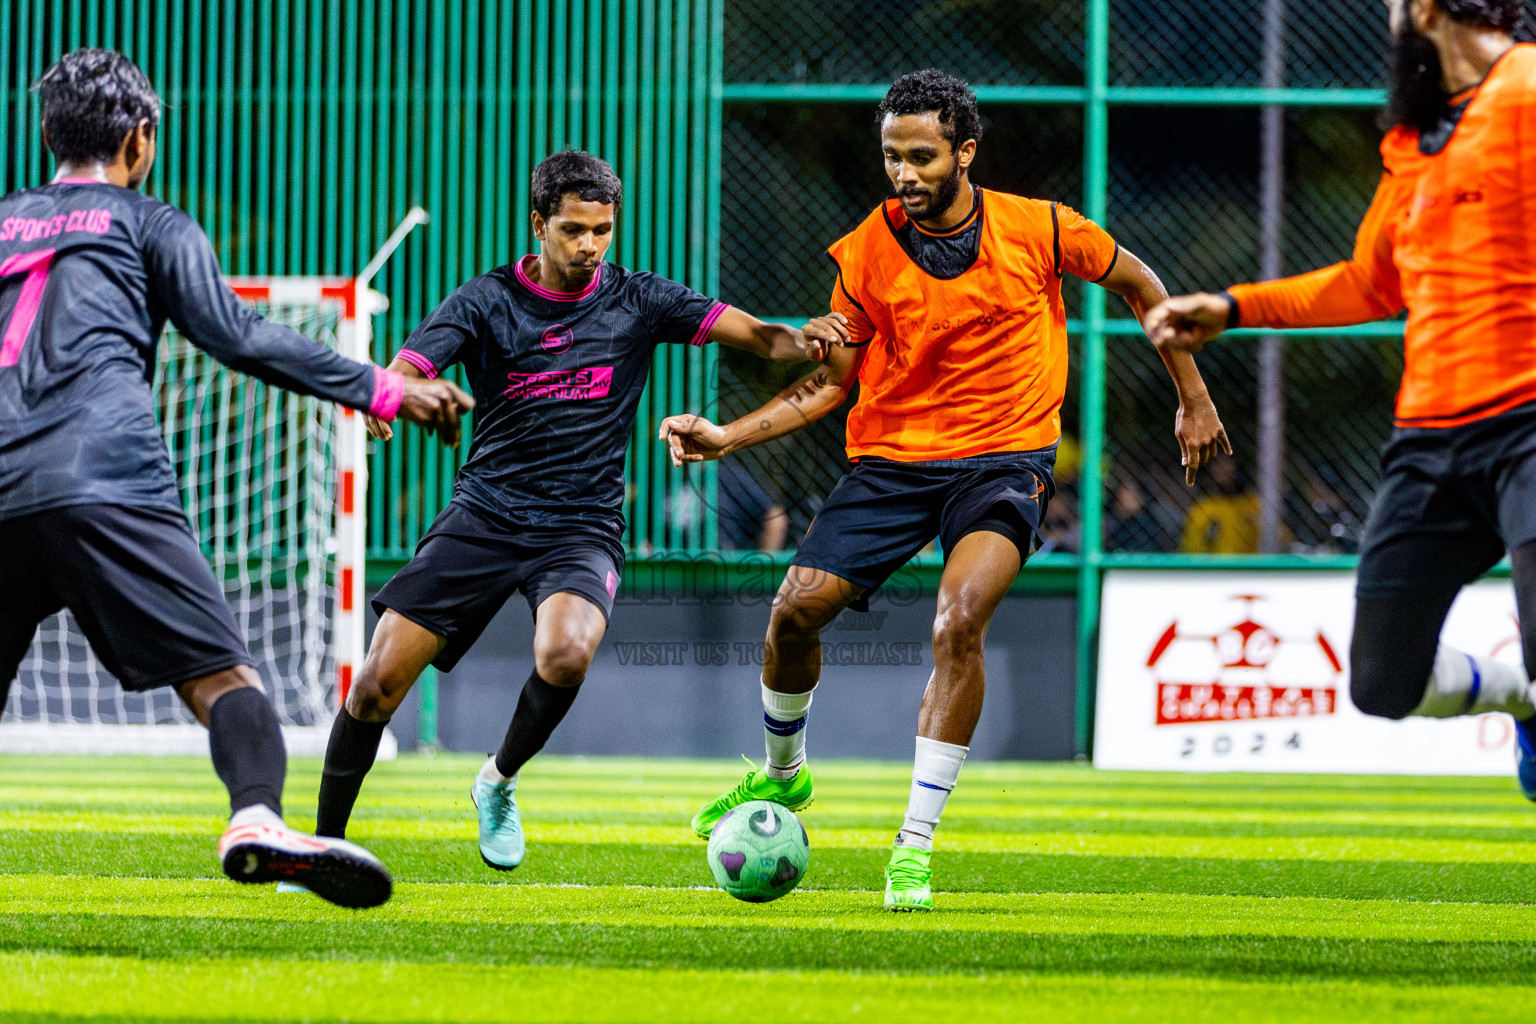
column 1244, row 671
column 1183, row 703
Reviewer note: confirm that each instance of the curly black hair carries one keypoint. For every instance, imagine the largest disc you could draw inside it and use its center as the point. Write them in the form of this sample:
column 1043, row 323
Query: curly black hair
column 92, row 99
column 574, row 171
column 1504, row 15
column 933, row 90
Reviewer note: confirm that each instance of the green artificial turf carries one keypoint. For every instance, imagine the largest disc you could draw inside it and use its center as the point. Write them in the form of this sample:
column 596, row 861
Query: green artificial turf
column 1062, row 894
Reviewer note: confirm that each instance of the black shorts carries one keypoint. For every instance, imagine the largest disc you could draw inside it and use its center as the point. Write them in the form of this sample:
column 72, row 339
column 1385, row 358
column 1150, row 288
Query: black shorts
column 1449, row 503
column 137, row 583
column 469, row 563
column 884, row 512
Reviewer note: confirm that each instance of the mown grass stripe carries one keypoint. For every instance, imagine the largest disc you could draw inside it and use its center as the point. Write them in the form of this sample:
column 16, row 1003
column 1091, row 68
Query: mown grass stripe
column 1332, row 848
column 968, row 810
column 391, row 993
column 185, row 856
column 1144, row 914
column 703, row 945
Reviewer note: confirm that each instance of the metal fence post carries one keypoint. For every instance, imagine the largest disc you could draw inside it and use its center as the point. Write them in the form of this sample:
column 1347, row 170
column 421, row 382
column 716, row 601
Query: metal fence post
column 1271, row 369
column 426, row 720
column 1091, row 380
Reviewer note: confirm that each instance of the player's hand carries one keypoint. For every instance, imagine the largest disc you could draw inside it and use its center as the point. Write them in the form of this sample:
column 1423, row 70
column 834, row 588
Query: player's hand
column 1201, row 436
column 378, row 429
column 436, row 405
column 824, row 332
column 692, row 439
column 1187, row 321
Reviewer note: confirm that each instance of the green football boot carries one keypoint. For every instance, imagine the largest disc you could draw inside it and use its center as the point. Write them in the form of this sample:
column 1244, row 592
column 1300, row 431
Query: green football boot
column 906, row 880
column 794, row 794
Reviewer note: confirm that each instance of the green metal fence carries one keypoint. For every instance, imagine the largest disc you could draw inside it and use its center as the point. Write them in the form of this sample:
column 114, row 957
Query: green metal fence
column 1218, row 139
column 299, row 132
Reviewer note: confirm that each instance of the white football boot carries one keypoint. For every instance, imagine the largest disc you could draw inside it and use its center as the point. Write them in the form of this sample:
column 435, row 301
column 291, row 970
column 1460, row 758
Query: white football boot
column 259, row 847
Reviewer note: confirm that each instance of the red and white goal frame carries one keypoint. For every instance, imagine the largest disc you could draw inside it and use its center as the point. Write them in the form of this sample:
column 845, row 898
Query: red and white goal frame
column 356, row 305
column 309, row 636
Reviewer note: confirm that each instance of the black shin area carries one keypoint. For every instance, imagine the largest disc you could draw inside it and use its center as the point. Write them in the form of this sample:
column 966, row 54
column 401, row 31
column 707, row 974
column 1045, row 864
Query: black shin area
column 540, row 708
column 348, row 756
column 247, row 746
column 1523, row 572
column 1393, row 651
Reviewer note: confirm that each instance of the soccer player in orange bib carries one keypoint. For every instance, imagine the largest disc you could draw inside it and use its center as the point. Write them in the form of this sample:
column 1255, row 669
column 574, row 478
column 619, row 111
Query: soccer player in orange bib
column 948, row 312
column 1451, row 237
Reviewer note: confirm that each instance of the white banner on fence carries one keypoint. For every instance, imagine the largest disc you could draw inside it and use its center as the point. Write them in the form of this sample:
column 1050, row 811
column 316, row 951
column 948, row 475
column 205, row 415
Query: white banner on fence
column 1246, row 671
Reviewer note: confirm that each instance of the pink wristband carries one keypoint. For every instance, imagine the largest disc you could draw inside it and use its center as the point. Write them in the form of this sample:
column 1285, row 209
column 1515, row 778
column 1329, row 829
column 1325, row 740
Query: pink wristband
column 419, row 361
column 388, row 392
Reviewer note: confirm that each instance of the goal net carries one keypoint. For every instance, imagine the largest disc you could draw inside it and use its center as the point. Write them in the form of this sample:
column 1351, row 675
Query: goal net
column 273, row 484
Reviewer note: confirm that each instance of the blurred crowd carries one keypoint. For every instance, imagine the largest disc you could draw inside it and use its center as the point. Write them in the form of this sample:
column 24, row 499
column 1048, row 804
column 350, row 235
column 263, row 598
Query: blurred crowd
column 1146, row 510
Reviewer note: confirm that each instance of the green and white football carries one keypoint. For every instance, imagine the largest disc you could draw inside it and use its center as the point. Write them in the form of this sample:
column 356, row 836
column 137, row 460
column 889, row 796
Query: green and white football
column 759, row 851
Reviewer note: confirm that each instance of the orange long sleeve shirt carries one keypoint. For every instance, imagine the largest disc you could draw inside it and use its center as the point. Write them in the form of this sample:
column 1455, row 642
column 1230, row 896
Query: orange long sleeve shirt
column 1451, row 237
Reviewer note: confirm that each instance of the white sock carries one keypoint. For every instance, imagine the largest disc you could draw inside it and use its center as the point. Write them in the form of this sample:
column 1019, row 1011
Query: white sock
column 1465, row 684
column 784, row 716
column 935, row 771
column 490, row 773
column 256, row 814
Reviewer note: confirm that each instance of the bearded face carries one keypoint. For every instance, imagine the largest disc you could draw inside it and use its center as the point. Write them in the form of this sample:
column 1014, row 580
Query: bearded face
column 1417, row 98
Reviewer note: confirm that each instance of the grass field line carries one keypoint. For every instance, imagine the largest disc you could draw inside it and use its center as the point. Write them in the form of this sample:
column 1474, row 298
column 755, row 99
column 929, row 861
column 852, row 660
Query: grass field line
column 1312, row 848
column 385, row 783
column 594, row 775
column 962, row 813
column 403, row 993
column 838, row 910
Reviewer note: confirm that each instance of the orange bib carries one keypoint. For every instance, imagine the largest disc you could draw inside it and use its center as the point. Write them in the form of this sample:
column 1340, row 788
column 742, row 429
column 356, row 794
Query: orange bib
column 973, row 365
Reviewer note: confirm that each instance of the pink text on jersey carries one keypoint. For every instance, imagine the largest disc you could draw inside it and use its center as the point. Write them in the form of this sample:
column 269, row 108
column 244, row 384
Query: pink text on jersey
column 591, row 382
column 30, row 229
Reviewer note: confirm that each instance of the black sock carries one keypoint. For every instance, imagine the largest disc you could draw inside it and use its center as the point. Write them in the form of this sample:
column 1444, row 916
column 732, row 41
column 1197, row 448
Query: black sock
column 539, row 710
column 247, row 746
column 348, row 756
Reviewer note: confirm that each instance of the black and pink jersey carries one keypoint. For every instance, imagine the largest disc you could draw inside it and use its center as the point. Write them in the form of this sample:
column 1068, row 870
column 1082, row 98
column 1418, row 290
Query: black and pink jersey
column 89, row 275
column 556, row 378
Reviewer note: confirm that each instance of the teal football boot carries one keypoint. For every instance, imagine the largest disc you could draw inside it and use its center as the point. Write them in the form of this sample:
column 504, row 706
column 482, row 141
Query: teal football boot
column 501, row 828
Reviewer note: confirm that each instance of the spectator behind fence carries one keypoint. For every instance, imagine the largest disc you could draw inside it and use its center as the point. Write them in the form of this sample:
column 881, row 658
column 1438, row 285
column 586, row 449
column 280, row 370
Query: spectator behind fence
column 1225, row 519
column 1327, row 524
column 751, row 516
column 1061, row 528
column 1130, row 525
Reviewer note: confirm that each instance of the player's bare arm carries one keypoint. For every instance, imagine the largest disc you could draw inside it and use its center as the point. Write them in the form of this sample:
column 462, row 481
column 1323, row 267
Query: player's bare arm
column 779, row 342
column 1197, row 424
column 695, row 439
column 436, row 405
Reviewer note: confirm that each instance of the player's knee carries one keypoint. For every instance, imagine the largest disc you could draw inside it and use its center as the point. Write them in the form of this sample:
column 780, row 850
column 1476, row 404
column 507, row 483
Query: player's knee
column 795, row 618
column 958, row 632
column 377, row 692
column 562, row 659
column 367, row 703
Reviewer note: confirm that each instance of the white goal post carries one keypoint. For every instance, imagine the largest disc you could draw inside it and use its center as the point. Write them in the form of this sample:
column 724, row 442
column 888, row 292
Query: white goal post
column 275, row 485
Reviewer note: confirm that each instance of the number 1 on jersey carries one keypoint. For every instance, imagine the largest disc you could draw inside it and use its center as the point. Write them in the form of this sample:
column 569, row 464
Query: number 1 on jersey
column 36, row 266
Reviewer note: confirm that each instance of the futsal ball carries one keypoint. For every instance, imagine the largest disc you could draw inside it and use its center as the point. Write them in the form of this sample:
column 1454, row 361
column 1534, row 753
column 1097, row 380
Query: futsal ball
column 759, row 851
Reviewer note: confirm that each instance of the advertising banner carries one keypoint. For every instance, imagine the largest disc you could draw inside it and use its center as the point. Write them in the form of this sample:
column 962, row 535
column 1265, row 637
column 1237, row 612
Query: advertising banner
column 1240, row 671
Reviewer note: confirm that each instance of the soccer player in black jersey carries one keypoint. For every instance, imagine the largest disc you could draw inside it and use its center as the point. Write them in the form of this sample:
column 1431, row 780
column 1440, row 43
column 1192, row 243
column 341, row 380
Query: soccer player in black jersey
column 90, row 518
column 558, row 346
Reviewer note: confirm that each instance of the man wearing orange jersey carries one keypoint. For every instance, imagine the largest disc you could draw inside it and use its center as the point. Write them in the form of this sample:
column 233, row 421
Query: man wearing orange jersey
column 947, row 311
column 1451, row 237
